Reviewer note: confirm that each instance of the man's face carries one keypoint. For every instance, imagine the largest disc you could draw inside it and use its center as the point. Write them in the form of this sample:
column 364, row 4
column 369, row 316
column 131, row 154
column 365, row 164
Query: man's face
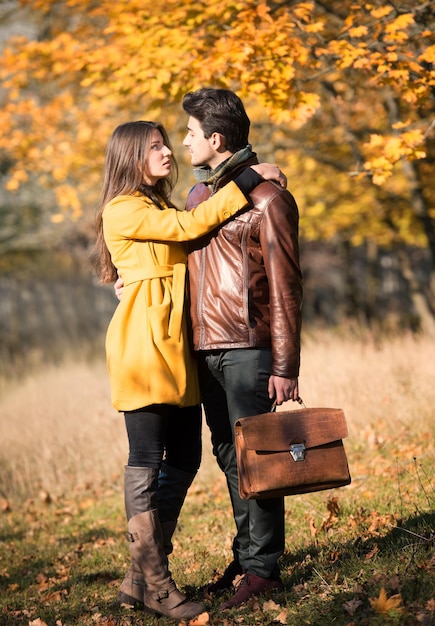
column 200, row 149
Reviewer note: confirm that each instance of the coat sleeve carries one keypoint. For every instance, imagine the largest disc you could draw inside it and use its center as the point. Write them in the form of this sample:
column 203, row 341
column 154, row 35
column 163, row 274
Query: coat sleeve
column 136, row 217
column 280, row 246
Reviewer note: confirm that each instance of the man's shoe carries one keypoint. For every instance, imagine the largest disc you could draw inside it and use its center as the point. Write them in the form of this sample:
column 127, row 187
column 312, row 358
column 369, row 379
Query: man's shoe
column 250, row 587
column 226, row 580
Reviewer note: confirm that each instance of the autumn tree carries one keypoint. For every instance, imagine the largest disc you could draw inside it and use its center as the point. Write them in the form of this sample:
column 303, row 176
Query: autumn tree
column 340, row 92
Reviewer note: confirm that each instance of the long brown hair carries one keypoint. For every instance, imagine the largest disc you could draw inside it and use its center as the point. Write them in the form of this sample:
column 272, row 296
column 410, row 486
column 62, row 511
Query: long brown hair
column 126, row 156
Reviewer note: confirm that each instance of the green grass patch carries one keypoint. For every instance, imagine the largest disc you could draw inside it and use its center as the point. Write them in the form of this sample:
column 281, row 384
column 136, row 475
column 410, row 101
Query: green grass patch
column 347, row 561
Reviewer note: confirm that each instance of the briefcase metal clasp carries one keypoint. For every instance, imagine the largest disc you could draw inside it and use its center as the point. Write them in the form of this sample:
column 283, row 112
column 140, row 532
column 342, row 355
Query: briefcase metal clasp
column 297, row 450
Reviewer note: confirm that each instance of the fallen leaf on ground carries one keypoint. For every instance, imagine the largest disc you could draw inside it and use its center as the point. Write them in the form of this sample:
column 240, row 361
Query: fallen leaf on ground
column 333, row 506
column 270, row 605
column 45, row 497
column 371, row 554
column 200, row 620
column 383, row 604
column 281, row 618
column 5, row 506
column 313, row 529
column 351, row 606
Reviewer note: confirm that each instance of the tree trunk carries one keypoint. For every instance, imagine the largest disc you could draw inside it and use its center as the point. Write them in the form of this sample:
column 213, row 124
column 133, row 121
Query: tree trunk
column 422, row 306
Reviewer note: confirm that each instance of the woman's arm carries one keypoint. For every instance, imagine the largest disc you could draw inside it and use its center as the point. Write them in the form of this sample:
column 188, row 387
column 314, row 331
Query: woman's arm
column 136, row 217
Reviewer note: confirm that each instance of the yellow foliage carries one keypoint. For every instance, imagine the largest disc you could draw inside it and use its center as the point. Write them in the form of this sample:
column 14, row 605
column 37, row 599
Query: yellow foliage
column 381, row 12
column 12, row 184
column 58, row 218
column 68, row 200
column 428, row 55
column 358, row 31
column 303, row 11
column 401, row 22
column 413, row 138
column 106, row 62
column 18, row 177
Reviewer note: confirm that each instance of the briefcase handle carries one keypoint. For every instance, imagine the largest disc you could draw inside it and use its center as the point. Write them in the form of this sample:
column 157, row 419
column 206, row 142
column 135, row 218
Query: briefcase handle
column 299, row 401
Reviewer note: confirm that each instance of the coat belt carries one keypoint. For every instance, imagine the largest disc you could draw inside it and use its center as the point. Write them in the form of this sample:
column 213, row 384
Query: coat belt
column 178, row 274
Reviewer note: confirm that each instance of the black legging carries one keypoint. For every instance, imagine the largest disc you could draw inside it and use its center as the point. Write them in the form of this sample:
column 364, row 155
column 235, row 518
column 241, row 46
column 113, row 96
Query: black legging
column 164, row 432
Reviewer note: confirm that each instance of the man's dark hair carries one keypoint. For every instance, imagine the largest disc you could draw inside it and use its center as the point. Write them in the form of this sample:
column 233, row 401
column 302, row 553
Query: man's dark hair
column 219, row 111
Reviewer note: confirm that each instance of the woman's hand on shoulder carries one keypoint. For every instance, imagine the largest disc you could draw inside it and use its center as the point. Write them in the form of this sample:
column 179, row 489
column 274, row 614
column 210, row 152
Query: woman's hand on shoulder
column 270, row 171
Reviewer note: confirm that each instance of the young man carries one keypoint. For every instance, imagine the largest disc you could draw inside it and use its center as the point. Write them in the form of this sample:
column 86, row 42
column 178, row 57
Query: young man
column 246, row 295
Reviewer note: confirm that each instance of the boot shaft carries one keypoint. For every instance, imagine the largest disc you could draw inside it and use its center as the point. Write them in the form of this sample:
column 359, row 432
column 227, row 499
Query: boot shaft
column 140, row 489
column 146, row 546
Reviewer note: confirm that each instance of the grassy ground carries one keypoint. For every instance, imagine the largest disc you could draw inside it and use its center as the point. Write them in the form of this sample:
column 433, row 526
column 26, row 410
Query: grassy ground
column 358, row 556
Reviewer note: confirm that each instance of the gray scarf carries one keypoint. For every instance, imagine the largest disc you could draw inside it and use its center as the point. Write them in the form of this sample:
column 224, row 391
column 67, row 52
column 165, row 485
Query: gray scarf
column 206, row 175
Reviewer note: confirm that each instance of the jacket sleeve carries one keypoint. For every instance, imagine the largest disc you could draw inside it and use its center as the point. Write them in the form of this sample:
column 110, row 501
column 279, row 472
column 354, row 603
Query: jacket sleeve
column 135, row 217
column 280, row 246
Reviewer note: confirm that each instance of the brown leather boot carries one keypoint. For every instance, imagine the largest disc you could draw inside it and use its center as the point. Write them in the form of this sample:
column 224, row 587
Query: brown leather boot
column 132, row 588
column 137, row 498
column 136, row 481
column 161, row 595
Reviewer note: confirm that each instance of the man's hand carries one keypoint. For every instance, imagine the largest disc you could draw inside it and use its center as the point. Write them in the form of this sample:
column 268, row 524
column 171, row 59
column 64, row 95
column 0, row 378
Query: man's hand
column 283, row 389
column 268, row 171
column 119, row 287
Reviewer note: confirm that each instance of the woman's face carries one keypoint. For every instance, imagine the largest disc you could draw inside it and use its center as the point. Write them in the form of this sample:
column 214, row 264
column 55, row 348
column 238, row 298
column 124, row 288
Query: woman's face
column 158, row 164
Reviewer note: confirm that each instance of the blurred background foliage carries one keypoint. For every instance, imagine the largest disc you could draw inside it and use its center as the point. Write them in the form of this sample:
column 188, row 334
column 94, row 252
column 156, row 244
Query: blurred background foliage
column 340, row 94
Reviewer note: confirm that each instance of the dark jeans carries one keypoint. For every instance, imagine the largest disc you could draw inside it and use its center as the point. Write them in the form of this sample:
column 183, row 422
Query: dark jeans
column 165, row 432
column 167, row 438
column 233, row 385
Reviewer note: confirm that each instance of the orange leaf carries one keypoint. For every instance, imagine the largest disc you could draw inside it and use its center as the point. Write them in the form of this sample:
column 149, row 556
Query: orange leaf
column 371, row 554
column 5, row 505
column 383, row 604
column 200, row 620
column 270, row 605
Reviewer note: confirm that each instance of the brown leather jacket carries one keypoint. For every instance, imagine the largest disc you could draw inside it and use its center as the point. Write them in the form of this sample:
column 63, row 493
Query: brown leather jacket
column 245, row 279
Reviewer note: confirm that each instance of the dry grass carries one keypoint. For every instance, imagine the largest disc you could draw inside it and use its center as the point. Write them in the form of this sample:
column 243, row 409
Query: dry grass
column 58, row 429
column 362, row 555
column 384, row 388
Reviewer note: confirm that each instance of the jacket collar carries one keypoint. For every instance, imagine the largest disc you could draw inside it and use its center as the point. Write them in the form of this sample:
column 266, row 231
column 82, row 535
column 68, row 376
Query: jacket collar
column 212, row 178
column 232, row 173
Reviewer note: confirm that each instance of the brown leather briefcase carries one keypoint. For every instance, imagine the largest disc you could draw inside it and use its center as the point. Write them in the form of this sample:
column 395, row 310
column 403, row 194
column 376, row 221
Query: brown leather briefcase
column 291, row 452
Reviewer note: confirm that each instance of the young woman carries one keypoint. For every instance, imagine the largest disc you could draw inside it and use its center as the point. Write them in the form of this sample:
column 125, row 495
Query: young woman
column 152, row 372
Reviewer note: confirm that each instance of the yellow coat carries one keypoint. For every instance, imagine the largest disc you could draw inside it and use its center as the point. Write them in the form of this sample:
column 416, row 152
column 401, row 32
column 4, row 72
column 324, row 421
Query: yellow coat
column 148, row 352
